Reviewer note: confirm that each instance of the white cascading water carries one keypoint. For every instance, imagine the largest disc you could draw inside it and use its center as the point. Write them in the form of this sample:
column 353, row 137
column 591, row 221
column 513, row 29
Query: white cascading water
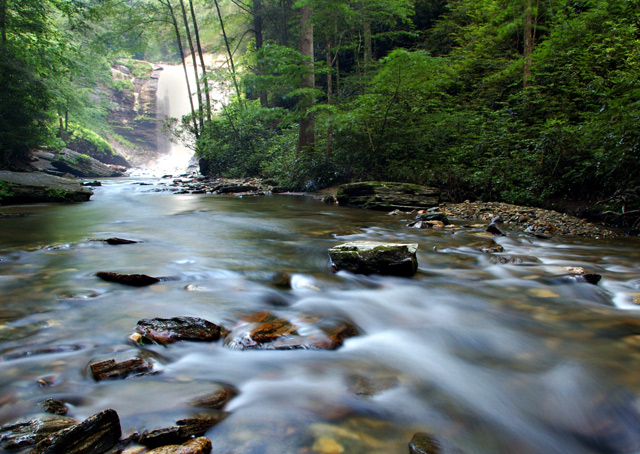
column 173, row 102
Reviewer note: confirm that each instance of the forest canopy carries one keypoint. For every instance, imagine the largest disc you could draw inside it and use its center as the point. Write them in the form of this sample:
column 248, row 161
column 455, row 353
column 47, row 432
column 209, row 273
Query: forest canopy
column 523, row 101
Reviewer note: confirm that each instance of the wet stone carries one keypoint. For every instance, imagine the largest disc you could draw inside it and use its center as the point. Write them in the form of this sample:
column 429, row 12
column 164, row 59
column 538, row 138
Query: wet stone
column 266, row 331
column 169, row 330
column 55, row 407
column 94, row 435
column 115, row 241
column 112, row 369
column 134, row 280
column 27, row 433
column 200, row 445
column 367, row 257
column 425, row 443
column 183, row 431
column 512, row 259
column 216, row 399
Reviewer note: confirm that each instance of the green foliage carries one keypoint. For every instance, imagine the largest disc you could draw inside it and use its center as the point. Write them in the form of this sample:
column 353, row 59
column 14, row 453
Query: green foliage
column 24, row 101
column 139, row 69
column 6, row 190
column 93, row 144
column 240, row 140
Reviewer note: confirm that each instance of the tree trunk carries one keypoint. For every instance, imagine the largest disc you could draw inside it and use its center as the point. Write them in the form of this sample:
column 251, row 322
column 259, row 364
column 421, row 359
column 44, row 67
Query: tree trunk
column 329, row 94
column 528, row 42
column 205, row 81
column 258, row 18
column 3, row 20
column 307, row 125
column 368, row 45
column 226, row 42
column 184, row 65
column 195, row 64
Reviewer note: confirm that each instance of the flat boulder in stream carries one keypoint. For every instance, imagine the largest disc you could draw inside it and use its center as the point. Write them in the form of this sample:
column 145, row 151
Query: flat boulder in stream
column 37, row 187
column 388, row 196
column 27, row 433
column 368, row 257
column 169, row 330
column 266, row 331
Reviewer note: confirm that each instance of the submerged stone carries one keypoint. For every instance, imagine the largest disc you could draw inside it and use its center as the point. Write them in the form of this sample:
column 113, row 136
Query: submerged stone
column 169, row 330
column 134, row 280
column 200, row 445
column 266, row 331
column 183, row 431
column 365, row 257
column 217, row 399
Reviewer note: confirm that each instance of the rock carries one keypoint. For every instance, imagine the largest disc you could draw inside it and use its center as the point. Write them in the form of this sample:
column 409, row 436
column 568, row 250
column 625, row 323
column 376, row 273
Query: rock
column 424, row 443
column 166, row 331
column 37, row 187
column 200, row 445
column 216, row 399
column 135, row 280
column 388, row 196
column 364, row 257
column 115, row 241
column 26, row 433
column 494, row 229
column 266, row 331
column 84, row 166
column 92, row 183
column 426, row 225
column 94, row 435
column 183, row 430
column 55, row 407
column 110, row 368
column 512, row 259
column 234, row 189
column 491, row 248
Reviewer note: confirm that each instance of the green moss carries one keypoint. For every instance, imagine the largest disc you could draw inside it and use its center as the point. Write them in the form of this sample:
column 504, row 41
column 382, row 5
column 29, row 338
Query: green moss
column 6, row 190
column 101, row 146
column 122, row 85
column 57, row 194
column 139, row 69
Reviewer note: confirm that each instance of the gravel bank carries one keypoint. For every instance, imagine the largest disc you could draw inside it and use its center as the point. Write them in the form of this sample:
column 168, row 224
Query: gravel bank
column 533, row 220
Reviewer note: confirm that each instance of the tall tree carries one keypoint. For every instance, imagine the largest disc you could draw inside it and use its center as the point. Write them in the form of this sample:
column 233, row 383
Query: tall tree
column 306, row 135
column 203, row 66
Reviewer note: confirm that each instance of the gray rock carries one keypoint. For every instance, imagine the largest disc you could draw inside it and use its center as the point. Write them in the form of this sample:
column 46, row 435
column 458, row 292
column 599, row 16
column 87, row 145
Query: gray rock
column 134, row 280
column 365, row 257
column 388, row 196
column 37, row 187
column 81, row 165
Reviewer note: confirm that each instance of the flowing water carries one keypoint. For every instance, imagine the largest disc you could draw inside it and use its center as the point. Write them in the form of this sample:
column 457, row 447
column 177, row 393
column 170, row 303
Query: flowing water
column 493, row 358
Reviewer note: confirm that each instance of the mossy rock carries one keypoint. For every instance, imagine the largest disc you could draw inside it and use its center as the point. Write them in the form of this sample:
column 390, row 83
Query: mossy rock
column 364, row 257
column 388, row 196
column 36, row 187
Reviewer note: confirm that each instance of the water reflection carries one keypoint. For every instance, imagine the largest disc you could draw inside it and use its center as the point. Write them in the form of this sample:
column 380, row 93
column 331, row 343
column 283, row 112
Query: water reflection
column 492, row 355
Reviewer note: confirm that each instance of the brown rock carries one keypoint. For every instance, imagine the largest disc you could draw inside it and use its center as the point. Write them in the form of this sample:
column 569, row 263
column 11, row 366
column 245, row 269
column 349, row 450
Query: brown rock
column 201, row 445
column 112, row 369
column 387, row 196
column 25, row 433
column 55, row 407
column 164, row 331
column 94, row 435
column 135, row 280
column 266, row 331
column 183, row 430
column 216, row 399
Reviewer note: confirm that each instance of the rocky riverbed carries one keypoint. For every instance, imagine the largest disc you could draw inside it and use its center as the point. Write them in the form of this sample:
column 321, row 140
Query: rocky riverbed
column 532, row 220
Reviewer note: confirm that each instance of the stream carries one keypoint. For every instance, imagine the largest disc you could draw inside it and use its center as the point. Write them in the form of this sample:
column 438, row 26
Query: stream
column 489, row 357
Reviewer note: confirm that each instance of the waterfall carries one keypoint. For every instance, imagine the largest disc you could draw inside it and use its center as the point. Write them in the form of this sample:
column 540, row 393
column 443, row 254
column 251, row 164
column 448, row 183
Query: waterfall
column 173, row 102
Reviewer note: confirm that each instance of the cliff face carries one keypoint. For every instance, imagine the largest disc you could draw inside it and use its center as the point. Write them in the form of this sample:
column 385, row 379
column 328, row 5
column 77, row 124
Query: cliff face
column 133, row 114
